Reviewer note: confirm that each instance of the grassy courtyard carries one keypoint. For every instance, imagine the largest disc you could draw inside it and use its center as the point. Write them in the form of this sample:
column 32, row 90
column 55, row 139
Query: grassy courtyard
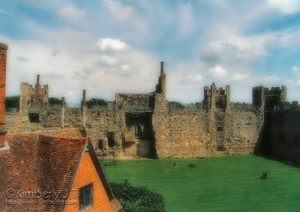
column 216, row 184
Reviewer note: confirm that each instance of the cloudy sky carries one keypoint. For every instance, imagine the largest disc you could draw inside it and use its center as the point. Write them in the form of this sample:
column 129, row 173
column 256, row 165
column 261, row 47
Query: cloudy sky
column 109, row 46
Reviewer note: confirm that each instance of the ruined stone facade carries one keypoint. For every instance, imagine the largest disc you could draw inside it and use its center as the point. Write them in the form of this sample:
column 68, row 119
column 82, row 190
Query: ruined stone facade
column 269, row 99
column 33, row 98
column 142, row 125
column 216, row 97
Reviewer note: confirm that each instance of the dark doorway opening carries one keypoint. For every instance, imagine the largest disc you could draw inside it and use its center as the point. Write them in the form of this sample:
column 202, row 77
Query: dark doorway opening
column 34, row 117
column 111, row 139
column 140, row 124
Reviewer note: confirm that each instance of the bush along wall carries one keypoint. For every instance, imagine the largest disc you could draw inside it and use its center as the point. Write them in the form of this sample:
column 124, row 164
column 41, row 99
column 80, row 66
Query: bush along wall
column 137, row 199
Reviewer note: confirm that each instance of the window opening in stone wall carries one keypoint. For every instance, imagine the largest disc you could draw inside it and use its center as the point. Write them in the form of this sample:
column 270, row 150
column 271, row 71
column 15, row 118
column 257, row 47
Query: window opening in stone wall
column 220, row 104
column 111, row 139
column 86, row 196
column 34, row 117
column 100, row 144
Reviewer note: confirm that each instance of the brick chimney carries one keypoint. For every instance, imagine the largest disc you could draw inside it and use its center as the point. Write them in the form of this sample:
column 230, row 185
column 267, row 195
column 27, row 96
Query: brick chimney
column 3, row 56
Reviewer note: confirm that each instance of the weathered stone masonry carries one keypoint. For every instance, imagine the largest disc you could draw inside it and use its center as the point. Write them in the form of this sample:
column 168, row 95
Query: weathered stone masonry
column 143, row 125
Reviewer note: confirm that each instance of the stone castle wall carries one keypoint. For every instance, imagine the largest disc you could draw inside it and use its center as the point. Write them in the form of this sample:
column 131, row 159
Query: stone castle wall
column 182, row 133
column 142, row 125
column 190, row 133
column 281, row 135
column 165, row 133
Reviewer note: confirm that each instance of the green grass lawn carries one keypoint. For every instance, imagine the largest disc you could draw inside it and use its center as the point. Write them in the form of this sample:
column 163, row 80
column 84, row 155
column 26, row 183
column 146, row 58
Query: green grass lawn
column 216, row 184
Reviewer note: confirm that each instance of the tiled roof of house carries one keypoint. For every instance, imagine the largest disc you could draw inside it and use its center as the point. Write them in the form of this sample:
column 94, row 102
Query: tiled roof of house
column 38, row 163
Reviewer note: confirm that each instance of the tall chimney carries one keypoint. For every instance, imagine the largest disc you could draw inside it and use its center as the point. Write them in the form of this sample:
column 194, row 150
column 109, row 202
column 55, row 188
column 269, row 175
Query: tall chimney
column 3, row 58
column 162, row 67
column 84, row 97
column 83, row 108
column 38, row 80
column 63, row 105
column 38, row 89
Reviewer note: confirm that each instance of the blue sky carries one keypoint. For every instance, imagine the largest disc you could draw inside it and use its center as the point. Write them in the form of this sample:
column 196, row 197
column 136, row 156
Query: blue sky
column 109, row 46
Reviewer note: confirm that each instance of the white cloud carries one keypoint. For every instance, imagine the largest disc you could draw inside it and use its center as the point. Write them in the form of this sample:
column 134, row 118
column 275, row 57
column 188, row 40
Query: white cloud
column 72, row 13
column 240, row 77
column 230, row 43
column 108, row 60
column 109, row 44
column 191, row 78
column 267, row 80
column 217, row 72
column 285, row 6
column 296, row 70
column 23, row 59
column 56, row 52
column 186, row 19
column 126, row 16
column 119, row 10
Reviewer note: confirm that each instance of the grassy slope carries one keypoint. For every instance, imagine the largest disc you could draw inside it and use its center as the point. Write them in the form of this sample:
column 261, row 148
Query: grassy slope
column 216, row 184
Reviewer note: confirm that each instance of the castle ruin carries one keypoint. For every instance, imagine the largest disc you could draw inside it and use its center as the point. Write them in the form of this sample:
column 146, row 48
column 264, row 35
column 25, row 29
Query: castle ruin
column 143, row 125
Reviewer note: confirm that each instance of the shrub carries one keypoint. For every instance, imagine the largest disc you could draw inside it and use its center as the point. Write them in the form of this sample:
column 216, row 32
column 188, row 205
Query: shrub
column 96, row 102
column 176, row 105
column 12, row 101
column 54, row 101
column 136, row 199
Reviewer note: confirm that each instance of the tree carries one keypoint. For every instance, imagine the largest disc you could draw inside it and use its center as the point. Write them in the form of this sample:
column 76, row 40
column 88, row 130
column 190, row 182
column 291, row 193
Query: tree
column 96, row 102
column 177, row 105
column 54, row 101
column 12, row 101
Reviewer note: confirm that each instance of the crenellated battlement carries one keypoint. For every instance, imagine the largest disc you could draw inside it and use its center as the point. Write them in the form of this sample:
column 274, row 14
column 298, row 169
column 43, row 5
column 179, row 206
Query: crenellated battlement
column 216, row 98
column 33, row 95
column 269, row 99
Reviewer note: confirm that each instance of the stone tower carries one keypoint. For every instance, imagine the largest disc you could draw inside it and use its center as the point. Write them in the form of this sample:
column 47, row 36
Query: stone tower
column 3, row 58
column 160, row 102
column 216, row 98
column 33, row 96
column 269, row 99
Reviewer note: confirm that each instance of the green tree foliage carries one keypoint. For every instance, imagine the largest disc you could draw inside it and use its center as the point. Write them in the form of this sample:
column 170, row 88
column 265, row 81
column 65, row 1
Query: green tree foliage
column 12, row 101
column 54, row 101
column 96, row 102
column 174, row 104
column 136, row 199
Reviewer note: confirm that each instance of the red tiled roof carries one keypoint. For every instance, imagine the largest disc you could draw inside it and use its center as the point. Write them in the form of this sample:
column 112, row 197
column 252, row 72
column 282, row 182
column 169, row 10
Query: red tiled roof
column 38, row 163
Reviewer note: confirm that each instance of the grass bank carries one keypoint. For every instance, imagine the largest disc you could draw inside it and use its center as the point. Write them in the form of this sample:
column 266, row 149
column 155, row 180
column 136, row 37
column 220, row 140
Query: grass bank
column 216, row 184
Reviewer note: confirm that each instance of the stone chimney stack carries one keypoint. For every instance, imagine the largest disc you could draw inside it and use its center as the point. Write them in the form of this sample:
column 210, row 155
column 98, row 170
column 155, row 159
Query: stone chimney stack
column 83, row 107
column 38, row 89
column 63, row 106
column 38, row 81
column 84, row 97
column 3, row 59
column 161, row 86
column 227, row 97
column 162, row 71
